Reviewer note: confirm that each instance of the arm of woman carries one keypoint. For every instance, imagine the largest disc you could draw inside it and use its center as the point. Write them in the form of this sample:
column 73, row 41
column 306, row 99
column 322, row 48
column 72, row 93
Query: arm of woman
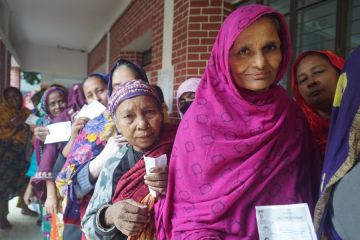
column 112, row 146
column 100, row 200
column 76, row 127
column 86, row 177
column 40, row 133
column 51, row 197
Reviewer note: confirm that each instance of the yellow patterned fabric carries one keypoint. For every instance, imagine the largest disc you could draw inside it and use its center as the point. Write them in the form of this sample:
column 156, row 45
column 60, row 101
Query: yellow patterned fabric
column 9, row 133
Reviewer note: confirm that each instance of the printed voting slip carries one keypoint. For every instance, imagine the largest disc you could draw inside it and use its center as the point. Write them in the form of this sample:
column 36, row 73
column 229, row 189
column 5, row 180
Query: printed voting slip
column 91, row 111
column 59, row 132
column 31, row 119
column 151, row 162
column 285, row 222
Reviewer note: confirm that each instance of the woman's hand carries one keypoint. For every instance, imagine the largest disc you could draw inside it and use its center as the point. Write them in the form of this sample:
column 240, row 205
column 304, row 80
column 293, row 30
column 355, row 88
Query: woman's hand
column 41, row 132
column 128, row 216
column 29, row 194
column 113, row 145
column 77, row 125
column 51, row 204
column 157, row 179
column 111, row 148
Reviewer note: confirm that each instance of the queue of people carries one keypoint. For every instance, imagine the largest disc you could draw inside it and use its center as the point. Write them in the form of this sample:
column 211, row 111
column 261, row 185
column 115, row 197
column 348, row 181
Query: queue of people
column 242, row 142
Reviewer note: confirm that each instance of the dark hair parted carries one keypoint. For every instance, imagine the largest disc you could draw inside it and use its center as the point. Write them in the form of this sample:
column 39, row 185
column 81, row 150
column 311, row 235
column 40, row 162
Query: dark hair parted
column 136, row 69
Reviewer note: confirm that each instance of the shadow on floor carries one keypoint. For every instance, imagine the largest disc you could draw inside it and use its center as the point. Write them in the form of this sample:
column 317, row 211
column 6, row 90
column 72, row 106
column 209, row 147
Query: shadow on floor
column 23, row 227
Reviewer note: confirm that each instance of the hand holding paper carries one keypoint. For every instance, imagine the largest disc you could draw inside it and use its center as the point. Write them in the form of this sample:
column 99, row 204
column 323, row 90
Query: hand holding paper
column 59, row 132
column 91, row 111
column 156, row 174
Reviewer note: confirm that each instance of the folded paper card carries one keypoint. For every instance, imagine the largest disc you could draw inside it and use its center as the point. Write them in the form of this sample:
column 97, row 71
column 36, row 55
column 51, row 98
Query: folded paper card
column 91, row 111
column 158, row 162
column 59, row 132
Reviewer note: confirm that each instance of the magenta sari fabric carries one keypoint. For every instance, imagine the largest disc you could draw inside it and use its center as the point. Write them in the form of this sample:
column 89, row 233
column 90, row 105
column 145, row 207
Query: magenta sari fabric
column 236, row 149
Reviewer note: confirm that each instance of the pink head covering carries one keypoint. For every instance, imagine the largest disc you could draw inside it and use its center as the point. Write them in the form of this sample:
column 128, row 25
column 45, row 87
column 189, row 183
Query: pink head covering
column 235, row 149
column 189, row 85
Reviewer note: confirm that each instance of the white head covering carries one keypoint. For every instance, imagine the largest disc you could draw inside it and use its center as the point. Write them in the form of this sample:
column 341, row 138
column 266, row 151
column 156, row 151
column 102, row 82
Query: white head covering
column 189, row 85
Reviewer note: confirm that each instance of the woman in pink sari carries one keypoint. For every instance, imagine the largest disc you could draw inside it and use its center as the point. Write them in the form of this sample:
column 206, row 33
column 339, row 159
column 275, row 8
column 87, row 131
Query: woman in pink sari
column 243, row 142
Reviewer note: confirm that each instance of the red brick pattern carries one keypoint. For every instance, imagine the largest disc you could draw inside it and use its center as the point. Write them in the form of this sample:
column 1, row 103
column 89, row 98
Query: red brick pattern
column 97, row 56
column 15, row 77
column 8, row 69
column 139, row 17
column 196, row 24
column 3, row 80
column 195, row 27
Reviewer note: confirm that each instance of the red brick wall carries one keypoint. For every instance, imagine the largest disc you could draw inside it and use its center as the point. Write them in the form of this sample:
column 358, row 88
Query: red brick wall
column 97, row 56
column 196, row 24
column 8, row 69
column 135, row 57
column 139, row 17
column 3, row 81
column 15, row 77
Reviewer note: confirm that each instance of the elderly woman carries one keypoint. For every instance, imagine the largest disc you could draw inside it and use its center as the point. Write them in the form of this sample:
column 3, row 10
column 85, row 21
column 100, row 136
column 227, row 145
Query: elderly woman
column 243, row 142
column 314, row 78
column 337, row 211
column 185, row 94
column 91, row 149
column 13, row 136
column 121, row 204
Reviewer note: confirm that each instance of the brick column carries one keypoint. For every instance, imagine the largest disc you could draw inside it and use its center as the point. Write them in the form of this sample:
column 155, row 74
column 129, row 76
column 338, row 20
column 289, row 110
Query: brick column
column 2, row 67
column 140, row 16
column 8, row 69
column 15, row 77
column 196, row 24
column 97, row 56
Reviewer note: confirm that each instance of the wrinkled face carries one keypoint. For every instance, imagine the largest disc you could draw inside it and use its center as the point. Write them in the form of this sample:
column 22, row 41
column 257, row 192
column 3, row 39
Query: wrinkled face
column 255, row 56
column 122, row 74
column 139, row 119
column 317, row 79
column 13, row 99
column 56, row 103
column 95, row 89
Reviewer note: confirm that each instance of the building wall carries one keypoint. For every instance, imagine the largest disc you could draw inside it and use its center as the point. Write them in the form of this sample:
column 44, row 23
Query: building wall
column 97, row 56
column 4, row 67
column 140, row 16
column 15, row 77
column 195, row 27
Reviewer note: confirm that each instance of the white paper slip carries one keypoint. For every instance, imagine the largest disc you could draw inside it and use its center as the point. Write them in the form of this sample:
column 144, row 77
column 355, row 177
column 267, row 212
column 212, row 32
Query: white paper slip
column 91, row 111
column 285, row 222
column 31, row 119
column 151, row 162
column 59, row 132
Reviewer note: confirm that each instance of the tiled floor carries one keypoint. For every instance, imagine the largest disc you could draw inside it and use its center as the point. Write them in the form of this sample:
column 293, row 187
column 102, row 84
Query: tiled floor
column 23, row 227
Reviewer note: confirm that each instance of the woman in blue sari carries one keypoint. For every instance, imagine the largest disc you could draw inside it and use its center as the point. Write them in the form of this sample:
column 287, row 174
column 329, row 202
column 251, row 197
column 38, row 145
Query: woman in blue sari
column 337, row 211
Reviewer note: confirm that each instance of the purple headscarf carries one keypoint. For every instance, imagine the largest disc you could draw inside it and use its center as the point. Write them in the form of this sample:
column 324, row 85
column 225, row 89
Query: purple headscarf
column 44, row 104
column 343, row 149
column 129, row 90
column 76, row 100
column 235, row 149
